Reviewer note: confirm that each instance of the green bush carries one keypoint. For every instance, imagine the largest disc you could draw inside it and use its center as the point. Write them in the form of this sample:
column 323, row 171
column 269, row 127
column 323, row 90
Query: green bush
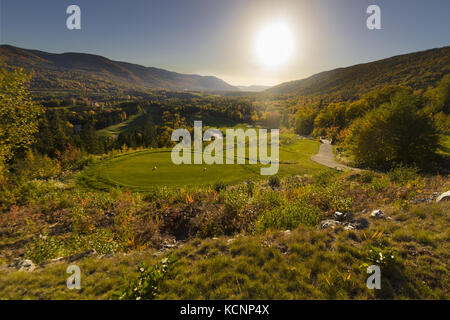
column 101, row 240
column 323, row 177
column 403, row 174
column 219, row 185
column 380, row 184
column 288, row 217
column 383, row 257
column 147, row 284
column 274, row 182
column 43, row 248
column 394, row 133
column 269, row 199
column 367, row 176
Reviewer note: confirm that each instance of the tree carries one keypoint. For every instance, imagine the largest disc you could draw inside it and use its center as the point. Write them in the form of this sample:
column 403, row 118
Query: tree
column 394, row 133
column 331, row 116
column 304, row 120
column 18, row 114
column 438, row 104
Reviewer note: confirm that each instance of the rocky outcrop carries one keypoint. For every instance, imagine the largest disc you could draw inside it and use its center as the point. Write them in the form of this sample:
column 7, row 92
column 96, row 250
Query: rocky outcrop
column 23, row 265
column 443, row 197
column 346, row 220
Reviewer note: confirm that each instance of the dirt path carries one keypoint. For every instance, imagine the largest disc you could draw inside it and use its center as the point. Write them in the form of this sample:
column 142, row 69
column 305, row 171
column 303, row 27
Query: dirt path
column 326, row 157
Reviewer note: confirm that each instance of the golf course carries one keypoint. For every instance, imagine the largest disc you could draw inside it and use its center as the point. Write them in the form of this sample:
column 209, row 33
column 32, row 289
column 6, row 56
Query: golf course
column 145, row 170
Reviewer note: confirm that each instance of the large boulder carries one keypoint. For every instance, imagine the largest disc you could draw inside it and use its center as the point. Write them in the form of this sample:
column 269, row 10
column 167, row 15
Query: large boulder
column 443, row 197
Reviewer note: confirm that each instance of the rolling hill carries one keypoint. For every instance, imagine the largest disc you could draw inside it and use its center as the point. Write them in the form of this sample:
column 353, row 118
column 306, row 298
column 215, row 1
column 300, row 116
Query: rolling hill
column 87, row 73
column 417, row 70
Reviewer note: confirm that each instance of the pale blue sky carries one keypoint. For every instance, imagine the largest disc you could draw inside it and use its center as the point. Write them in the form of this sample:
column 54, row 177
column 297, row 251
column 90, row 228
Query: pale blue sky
column 217, row 37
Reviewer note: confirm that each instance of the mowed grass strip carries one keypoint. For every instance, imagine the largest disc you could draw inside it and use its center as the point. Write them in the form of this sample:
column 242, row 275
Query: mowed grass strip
column 145, row 170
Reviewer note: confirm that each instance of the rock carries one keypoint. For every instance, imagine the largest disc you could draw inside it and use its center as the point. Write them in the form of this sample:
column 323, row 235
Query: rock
column 287, row 231
column 360, row 223
column 24, row 265
column 443, row 197
column 377, row 214
column 73, row 257
column 230, row 241
column 57, row 259
column 324, row 224
column 339, row 216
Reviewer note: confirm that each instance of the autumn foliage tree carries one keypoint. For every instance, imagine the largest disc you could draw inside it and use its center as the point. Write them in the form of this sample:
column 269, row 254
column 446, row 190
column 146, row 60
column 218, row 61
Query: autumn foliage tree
column 18, row 114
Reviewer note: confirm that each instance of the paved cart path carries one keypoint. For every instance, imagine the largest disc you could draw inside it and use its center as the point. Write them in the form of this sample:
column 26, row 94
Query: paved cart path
column 325, row 156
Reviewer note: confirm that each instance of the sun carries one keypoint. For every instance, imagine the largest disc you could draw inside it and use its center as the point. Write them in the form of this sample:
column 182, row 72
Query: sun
column 274, row 44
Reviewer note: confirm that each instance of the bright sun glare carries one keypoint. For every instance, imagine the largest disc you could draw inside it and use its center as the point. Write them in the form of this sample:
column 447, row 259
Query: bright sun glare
column 274, row 44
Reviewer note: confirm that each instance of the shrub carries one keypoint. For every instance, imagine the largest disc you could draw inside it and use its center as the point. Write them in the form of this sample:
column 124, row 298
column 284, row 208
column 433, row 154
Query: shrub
column 381, row 256
column 250, row 186
column 219, row 185
column 274, row 182
column 380, row 184
column 367, row 176
column 101, row 240
column 403, row 174
column 288, row 217
column 336, row 284
column 147, row 284
column 235, row 199
column 269, row 199
column 323, row 177
column 35, row 166
column 42, row 249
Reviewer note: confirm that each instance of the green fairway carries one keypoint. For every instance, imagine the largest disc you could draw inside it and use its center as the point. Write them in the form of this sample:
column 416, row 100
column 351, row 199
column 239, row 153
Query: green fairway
column 114, row 130
column 140, row 171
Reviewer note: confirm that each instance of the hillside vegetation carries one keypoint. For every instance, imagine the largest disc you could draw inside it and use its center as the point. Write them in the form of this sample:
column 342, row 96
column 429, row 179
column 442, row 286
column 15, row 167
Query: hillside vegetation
column 251, row 241
column 88, row 181
column 90, row 74
column 417, row 70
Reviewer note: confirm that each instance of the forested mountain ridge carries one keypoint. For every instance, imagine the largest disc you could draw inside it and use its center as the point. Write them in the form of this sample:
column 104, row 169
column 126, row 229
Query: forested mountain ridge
column 87, row 73
column 418, row 70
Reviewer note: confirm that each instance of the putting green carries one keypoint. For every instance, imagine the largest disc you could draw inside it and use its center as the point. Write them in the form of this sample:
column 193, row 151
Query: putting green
column 144, row 170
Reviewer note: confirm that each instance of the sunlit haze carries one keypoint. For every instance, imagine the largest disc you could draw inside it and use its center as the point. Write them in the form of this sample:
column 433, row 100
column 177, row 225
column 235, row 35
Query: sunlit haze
column 274, row 44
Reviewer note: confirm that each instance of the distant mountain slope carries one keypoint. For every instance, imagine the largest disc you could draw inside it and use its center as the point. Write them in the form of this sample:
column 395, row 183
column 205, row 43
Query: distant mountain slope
column 253, row 88
column 92, row 73
column 417, row 70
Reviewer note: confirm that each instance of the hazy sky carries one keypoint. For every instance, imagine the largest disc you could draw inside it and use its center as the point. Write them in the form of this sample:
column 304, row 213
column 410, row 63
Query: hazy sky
column 218, row 37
